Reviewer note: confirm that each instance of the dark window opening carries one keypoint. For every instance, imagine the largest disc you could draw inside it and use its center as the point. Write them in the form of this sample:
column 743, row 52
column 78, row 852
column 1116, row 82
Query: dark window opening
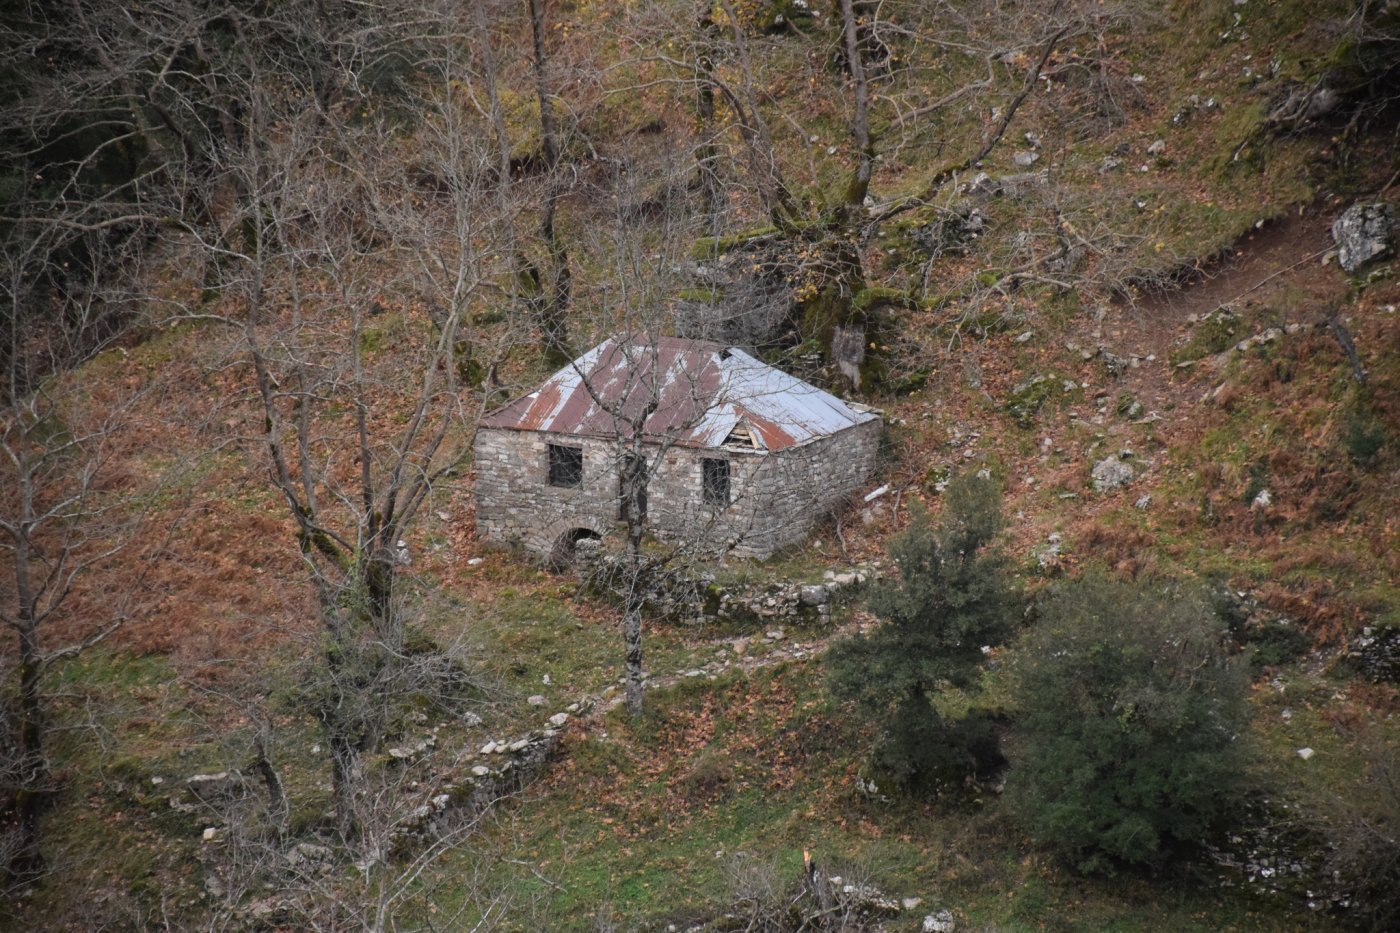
column 714, row 488
column 635, row 470
column 565, row 465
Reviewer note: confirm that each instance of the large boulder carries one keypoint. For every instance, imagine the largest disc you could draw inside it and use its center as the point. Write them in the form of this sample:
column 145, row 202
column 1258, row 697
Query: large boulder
column 1364, row 232
column 1111, row 474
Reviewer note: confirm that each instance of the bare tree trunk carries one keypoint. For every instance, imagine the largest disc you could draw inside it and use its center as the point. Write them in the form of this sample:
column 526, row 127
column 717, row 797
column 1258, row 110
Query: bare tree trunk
column 27, row 860
column 706, row 154
column 632, row 468
column 276, row 794
column 337, row 719
column 555, row 293
column 632, row 646
column 380, row 571
column 345, row 777
column 1342, row 335
column 859, row 184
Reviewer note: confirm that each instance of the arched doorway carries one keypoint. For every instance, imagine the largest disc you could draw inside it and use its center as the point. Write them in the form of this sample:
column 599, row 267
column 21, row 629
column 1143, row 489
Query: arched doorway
column 565, row 550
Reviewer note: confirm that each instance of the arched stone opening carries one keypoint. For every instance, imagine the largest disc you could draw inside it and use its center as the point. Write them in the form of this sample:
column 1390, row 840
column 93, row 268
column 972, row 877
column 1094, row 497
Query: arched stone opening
column 565, row 550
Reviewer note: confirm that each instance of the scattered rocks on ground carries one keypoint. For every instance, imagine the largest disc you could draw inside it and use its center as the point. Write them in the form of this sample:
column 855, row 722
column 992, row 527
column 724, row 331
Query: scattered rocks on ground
column 1377, row 654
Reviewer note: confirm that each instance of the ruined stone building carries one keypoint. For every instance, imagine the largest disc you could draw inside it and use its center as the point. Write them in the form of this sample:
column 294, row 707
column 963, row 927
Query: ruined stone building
column 739, row 456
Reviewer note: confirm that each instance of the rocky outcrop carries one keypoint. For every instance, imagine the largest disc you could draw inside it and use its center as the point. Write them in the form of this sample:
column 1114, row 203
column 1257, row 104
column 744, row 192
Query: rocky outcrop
column 1364, row 233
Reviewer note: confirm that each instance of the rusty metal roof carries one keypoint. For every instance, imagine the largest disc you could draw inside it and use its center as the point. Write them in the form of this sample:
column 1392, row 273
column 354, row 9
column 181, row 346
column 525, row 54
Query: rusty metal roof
column 698, row 393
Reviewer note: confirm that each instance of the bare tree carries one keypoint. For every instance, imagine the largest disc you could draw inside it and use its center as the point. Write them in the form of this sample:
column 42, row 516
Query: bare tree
column 352, row 275
column 549, row 292
column 60, row 520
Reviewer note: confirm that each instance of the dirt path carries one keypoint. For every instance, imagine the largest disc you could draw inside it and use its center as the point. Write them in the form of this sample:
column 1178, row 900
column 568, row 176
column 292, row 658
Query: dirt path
column 1278, row 266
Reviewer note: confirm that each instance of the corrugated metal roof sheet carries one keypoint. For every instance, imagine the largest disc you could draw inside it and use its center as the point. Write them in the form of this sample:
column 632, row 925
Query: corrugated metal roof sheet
column 695, row 391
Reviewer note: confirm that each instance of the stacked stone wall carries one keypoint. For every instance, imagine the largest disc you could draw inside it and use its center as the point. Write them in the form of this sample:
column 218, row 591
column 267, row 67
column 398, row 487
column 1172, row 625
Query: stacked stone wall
column 774, row 498
column 797, row 487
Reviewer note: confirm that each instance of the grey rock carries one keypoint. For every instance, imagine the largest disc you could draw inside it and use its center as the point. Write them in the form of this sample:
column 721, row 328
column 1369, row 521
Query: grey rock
column 982, row 183
column 1026, row 159
column 941, row 922
column 1364, row 233
column 1157, row 148
column 1110, row 474
column 814, row 595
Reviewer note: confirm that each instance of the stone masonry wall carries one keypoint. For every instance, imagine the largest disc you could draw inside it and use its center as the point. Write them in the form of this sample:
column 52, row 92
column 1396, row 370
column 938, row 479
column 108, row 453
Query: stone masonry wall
column 774, row 497
column 798, row 486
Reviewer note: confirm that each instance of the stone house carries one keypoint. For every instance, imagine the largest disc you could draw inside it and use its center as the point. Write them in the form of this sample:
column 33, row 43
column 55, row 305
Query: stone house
column 738, row 456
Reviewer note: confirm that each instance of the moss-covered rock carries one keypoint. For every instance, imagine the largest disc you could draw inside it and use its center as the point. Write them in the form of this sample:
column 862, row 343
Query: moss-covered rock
column 868, row 299
column 712, row 247
column 1215, row 333
column 1029, row 397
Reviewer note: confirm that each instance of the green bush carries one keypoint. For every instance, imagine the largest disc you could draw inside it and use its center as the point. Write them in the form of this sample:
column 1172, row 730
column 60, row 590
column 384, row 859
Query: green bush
column 1127, row 745
column 953, row 596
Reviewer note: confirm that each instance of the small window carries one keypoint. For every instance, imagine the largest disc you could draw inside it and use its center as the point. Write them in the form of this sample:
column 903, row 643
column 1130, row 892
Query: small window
column 565, row 465
column 714, row 488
